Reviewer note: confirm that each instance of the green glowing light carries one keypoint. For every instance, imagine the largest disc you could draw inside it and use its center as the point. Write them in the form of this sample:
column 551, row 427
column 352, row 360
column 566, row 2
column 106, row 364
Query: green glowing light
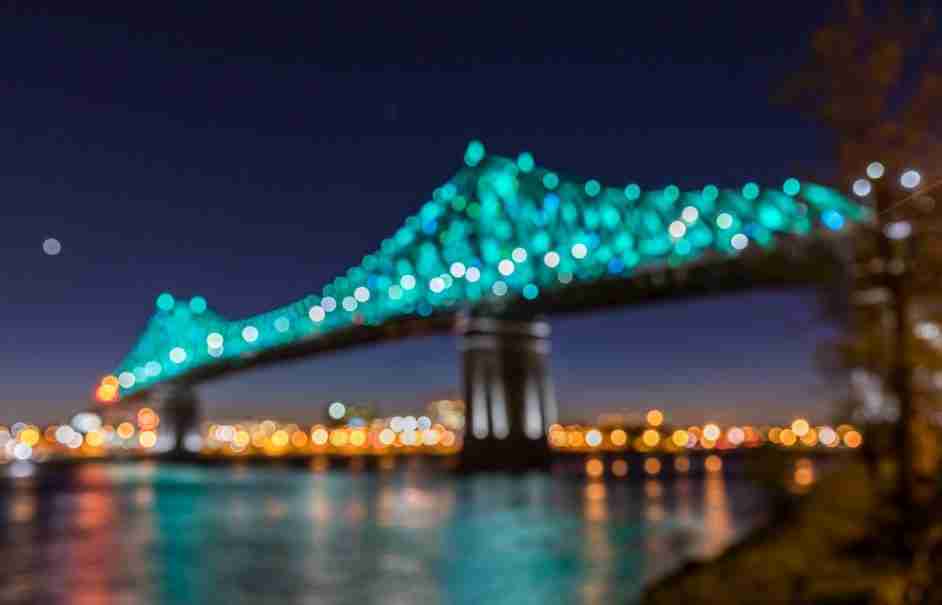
column 165, row 301
column 750, row 191
column 525, row 162
column 791, row 187
column 197, row 304
column 499, row 228
column 474, row 153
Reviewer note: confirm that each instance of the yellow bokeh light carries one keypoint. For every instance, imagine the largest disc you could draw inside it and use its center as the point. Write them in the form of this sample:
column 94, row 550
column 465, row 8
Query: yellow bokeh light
column 852, row 439
column 557, row 437
column 594, row 467
column 711, row 432
column 29, row 436
column 298, row 439
column 651, row 438
column 804, row 473
column 787, row 438
column 319, row 435
column 654, row 417
column 449, row 439
column 357, row 438
column 618, row 437
column 125, row 430
column 432, row 437
column 280, row 438
column 147, row 419
column 620, row 468
column 241, row 438
column 94, row 438
column 800, row 427
column 713, row 463
column 810, row 438
column 147, row 439
column 680, row 438
column 652, row 466
column 387, row 436
column 575, row 438
column 338, row 438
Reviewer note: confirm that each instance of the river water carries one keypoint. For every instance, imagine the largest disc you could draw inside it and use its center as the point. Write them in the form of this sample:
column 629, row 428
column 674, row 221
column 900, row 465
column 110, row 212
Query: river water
column 143, row 534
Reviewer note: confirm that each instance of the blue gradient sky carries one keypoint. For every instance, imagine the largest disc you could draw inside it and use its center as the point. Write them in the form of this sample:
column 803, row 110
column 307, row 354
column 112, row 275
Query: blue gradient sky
column 251, row 157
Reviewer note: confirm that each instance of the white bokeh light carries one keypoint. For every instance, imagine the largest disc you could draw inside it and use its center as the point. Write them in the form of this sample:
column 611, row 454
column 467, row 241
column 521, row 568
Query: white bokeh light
column 249, row 333
column 910, row 179
column 51, row 246
column 362, row 294
column 862, row 188
column 316, row 313
column 458, row 269
column 875, row 170
column 677, row 229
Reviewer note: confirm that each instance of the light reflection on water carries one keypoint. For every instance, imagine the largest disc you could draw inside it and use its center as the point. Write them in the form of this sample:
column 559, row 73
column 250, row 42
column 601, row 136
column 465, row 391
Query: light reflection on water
column 151, row 534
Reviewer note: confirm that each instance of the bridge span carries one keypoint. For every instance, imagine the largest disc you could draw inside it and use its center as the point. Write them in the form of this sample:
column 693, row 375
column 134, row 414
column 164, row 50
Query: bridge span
column 499, row 247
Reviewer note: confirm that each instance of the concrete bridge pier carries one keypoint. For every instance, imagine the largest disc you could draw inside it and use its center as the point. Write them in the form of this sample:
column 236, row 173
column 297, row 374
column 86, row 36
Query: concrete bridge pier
column 181, row 414
column 509, row 395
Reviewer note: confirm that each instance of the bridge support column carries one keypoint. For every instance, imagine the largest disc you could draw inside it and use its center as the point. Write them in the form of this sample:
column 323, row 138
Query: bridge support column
column 181, row 414
column 508, row 393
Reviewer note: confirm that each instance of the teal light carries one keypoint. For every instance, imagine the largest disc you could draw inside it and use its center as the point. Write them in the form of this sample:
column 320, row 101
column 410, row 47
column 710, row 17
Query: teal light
column 791, row 187
column 282, row 324
column 197, row 304
column 710, row 193
column 495, row 213
column 750, row 191
column 525, row 162
column 165, row 301
column 474, row 154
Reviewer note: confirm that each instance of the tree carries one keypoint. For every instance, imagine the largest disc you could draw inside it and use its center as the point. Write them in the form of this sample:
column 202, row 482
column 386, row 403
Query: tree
column 873, row 78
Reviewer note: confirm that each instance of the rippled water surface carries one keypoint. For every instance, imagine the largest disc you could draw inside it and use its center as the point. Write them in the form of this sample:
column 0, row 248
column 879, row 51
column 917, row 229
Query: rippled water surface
column 156, row 534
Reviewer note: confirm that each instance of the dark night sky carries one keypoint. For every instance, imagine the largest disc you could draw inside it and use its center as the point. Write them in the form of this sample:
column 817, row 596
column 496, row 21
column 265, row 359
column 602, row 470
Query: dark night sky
column 250, row 157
